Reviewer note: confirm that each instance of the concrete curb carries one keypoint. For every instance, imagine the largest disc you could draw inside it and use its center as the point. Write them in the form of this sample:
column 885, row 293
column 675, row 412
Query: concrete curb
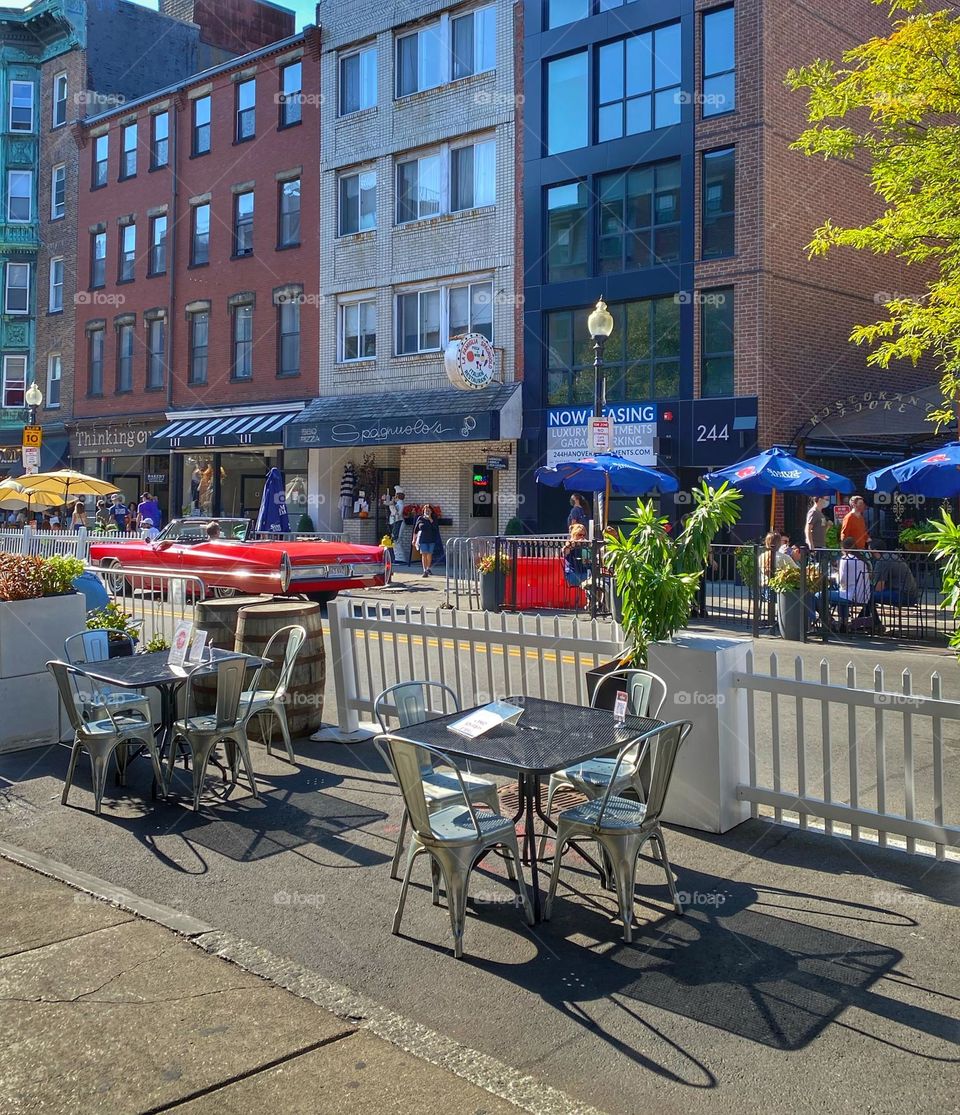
column 414, row 1039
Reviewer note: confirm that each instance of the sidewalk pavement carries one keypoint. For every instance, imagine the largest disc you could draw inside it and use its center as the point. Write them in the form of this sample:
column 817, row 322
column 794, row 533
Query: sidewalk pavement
column 104, row 1010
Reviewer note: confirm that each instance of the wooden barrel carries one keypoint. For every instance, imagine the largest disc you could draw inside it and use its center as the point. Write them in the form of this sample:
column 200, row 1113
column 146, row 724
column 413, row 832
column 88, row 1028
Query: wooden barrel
column 257, row 623
column 219, row 619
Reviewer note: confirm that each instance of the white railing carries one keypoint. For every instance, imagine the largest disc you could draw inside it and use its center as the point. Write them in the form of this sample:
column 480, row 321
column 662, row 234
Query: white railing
column 375, row 645
column 46, row 543
column 157, row 601
column 864, row 760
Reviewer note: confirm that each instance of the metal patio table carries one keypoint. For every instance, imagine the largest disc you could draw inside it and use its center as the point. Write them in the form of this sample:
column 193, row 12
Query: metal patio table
column 146, row 671
column 550, row 736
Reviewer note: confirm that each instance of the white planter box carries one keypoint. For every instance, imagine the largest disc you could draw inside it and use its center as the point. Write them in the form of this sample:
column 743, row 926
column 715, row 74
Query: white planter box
column 31, row 633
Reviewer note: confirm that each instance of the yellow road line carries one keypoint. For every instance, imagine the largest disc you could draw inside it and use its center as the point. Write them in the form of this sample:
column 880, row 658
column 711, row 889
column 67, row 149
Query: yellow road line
column 514, row 652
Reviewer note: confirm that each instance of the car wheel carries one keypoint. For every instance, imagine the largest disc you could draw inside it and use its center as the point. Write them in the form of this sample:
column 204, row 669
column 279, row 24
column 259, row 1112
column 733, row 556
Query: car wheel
column 115, row 582
column 223, row 593
column 320, row 597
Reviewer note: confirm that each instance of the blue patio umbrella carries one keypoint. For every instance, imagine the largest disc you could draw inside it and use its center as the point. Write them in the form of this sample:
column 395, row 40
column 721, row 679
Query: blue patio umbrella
column 607, row 473
column 273, row 518
column 935, row 473
column 775, row 470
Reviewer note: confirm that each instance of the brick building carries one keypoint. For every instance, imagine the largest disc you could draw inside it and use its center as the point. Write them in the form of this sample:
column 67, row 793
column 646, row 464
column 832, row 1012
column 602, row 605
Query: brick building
column 197, row 317
column 62, row 59
column 662, row 180
column 418, row 226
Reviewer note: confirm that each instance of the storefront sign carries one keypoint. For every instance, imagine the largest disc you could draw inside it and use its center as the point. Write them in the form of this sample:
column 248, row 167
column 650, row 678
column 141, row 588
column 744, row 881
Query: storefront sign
column 636, row 425
column 156, row 478
column 717, row 432
column 480, row 426
column 470, row 362
column 498, row 464
column 108, row 441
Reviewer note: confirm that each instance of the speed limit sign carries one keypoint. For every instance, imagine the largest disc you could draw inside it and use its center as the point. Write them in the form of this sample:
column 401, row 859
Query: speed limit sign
column 32, row 437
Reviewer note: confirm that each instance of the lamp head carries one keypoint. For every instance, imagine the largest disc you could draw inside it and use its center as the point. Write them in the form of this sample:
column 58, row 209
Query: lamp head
column 34, row 396
column 600, row 321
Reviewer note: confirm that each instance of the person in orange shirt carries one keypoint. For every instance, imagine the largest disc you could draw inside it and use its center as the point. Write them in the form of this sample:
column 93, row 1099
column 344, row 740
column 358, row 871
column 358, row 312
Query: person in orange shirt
column 854, row 525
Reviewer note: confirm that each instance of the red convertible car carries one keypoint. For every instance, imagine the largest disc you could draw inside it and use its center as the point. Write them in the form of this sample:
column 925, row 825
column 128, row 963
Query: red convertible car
column 234, row 563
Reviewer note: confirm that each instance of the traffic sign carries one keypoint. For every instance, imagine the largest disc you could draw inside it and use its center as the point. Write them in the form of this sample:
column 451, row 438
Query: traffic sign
column 32, row 437
column 31, row 458
column 600, row 435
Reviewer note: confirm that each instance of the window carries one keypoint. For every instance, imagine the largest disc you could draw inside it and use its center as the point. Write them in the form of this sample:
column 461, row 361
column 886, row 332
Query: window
column 289, row 210
column 21, row 106
column 98, row 259
column 14, row 380
column 419, row 188
column 718, row 203
column 567, row 239
column 199, row 346
column 568, row 101
column 288, row 337
column 95, row 362
column 157, row 264
column 471, row 310
column 55, row 294
column 101, row 161
column 54, row 375
column 128, row 253
column 639, row 218
column 418, row 322
column 243, row 224
column 17, row 294
column 473, row 174
column 427, row 319
column 719, row 62
column 246, row 109
column 716, row 342
column 201, row 126
column 291, row 95
column 58, row 192
column 641, row 360
column 200, row 235
column 128, row 159
column 562, row 12
column 638, row 83
column 19, row 196
column 156, row 347
column 242, row 342
column 59, row 101
column 358, row 330
column 420, row 60
column 358, row 202
column 358, row 80
column 125, row 357
column 160, row 140
column 474, row 42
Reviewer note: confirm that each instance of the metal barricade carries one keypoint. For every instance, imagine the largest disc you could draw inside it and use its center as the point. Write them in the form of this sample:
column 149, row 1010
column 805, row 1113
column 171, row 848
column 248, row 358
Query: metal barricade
column 158, row 601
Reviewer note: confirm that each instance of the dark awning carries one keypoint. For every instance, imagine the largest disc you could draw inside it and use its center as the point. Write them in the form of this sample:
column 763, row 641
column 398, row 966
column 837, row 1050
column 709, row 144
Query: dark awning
column 408, row 418
column 883, row 418
column 222, row 431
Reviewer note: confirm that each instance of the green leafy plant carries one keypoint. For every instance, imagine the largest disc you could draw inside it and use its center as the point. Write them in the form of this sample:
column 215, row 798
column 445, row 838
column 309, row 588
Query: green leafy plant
column 305, row 525
column 491, row 563
column 515, row 526
column 944, row 536
column 832, row 537
column 915, row 534
column 112, row 617
column 787, row 579
column 745, row 558
column 658, row 571
column 155, row 644
column 59, row 573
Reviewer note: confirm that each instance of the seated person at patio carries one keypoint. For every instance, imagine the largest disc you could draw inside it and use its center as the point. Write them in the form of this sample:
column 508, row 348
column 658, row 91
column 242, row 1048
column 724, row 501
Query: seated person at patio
column 853, row 582
column 213, row 531
column 893, row 583
column 576, row 557
column 787, row 548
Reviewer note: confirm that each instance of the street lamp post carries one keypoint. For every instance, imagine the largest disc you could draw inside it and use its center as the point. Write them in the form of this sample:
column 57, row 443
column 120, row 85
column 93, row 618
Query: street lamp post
column 34, row 400
column 600, row 325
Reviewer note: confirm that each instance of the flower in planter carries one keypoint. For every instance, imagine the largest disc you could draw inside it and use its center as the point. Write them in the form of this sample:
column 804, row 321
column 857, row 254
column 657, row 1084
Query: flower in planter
column 489, row 563
column 787, row 579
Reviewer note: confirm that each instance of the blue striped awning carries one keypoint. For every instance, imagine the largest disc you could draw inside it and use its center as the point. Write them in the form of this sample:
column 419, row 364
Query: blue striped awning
column 223, row 431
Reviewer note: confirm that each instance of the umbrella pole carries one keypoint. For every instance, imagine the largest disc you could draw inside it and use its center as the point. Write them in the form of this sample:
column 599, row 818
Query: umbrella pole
column 773, row 508
column 606, row 506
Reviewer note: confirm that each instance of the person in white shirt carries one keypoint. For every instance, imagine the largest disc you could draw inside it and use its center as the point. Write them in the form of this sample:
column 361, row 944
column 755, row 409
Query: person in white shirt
column 147, row 530
column 853, row 582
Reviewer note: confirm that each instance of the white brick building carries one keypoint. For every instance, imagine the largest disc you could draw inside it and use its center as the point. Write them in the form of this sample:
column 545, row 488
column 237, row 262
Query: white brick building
column 418, row 152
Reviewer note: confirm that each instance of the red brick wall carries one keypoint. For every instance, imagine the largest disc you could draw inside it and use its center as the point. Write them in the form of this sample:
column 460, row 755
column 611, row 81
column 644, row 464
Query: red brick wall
column 272, row 152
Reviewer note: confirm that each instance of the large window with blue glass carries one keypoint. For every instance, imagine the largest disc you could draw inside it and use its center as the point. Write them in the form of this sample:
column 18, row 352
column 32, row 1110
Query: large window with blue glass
column 718, row 177
column 719, row 92
column 638, row 83
column 641, row 359
column 562, row 12
column 716, row 342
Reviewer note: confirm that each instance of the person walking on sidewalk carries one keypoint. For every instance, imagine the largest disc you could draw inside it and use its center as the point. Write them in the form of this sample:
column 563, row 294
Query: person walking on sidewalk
column 426, row 536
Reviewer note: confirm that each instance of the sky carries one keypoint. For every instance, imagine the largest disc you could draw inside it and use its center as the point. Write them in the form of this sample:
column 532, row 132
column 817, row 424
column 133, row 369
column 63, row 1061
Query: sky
column 305, row 9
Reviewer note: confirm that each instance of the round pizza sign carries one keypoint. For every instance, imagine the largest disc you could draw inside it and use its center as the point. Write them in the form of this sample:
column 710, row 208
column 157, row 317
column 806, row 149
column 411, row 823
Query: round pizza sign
column 470, row 362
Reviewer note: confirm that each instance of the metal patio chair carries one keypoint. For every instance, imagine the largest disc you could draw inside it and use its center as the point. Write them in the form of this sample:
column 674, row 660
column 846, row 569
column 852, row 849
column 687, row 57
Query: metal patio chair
column 225, row 725
column 454, row 837
column 413, row 702
column 267, row 704
column 102, row 738
column 94, row 646
column 646, row 693
column 621, row 826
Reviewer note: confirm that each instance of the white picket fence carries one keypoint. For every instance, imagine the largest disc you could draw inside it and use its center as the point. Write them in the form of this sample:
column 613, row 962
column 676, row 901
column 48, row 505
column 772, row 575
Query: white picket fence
column 479, row 655
column 867, row 762
column 47, row 543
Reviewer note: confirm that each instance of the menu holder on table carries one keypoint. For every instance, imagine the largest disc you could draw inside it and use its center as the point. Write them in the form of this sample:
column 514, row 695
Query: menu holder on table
column 197, row 645
column 483, row 720
column 180, row 646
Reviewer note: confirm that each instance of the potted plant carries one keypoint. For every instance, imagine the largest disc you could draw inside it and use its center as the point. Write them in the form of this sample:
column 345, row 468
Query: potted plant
column 657, row 570
column 915, row 536
column 59, row 574
column 124, row 630
column 514, row 527
column 745, row 561
column 792, row 608
column 155, row 644
column 493, row 569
